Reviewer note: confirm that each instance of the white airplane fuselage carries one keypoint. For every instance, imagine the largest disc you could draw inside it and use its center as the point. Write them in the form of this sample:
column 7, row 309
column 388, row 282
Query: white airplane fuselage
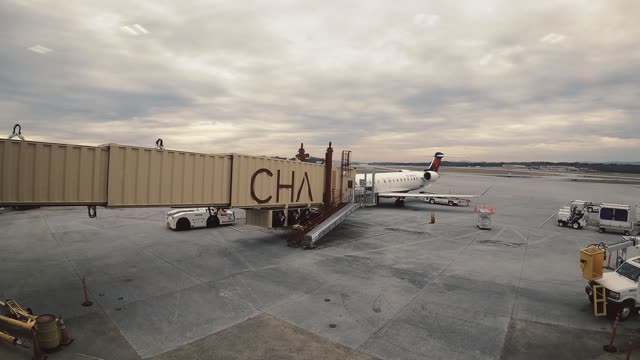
column 401, row 181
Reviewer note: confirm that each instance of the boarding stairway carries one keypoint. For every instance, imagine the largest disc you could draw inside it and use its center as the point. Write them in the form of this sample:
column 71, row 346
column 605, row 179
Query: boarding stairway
column 332, row 214
column 323, row 222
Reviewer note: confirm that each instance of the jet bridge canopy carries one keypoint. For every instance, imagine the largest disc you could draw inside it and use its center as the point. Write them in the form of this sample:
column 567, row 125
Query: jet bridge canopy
column 49, row 174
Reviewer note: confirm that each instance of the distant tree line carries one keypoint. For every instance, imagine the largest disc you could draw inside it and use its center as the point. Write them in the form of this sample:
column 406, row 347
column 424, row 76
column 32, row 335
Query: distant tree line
column 600, row 167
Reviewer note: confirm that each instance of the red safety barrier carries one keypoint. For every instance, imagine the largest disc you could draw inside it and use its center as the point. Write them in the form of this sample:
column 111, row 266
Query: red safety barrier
column 630, row 344
column 610, row 347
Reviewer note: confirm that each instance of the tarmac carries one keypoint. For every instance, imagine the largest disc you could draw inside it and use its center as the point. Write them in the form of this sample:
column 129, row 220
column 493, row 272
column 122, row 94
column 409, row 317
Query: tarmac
column 385, row 284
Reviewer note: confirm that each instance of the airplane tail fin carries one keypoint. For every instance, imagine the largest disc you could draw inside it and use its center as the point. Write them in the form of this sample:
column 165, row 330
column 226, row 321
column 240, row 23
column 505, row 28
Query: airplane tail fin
column 435, row 163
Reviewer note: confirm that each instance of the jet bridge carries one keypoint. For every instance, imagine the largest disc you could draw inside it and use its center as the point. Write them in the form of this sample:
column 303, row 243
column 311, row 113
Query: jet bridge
column 50, row 174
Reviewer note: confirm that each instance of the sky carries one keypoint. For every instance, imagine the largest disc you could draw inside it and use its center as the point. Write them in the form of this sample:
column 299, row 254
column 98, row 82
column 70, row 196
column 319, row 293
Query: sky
column 389, row 80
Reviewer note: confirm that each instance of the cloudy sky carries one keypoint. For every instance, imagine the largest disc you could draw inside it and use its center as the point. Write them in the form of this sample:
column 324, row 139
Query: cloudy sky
column 390, row 80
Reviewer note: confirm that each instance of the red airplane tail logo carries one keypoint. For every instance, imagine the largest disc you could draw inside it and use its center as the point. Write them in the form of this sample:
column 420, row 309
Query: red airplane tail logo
column 435, row 163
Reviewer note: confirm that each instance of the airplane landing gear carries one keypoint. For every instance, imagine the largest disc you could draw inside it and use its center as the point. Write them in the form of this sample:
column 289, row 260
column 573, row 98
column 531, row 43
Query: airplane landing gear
column 399, row 203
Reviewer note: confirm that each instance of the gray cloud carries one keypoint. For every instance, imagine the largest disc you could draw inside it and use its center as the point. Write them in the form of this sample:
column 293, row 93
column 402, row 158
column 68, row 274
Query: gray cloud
column 488, row 80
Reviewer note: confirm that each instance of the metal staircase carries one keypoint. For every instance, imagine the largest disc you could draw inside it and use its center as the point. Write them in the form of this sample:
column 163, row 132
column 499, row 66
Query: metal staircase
column 332, row 214
column 325, row 223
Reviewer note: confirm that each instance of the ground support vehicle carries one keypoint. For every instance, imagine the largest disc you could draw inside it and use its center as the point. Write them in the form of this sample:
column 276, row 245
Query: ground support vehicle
column 620, row 282
column 592, row 207
column 573, row 215
column 185, row 219
column 447, row 201
column 616, row 217
column 484, row 219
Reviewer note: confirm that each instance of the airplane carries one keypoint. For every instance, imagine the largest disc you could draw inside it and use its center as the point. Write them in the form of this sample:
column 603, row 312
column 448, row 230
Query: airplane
column 399, row 184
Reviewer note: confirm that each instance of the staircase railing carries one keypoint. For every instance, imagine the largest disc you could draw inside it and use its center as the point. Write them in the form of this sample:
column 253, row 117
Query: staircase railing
column 295, row 238
column 326, row 211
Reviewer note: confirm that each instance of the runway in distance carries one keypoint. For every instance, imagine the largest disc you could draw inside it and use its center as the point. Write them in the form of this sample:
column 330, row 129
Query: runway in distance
column 401, row 184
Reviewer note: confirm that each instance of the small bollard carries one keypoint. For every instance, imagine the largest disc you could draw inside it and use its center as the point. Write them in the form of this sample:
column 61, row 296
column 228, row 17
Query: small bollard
column 630, row 344
column 433, row 218
column 86, row 293
column 610, row 348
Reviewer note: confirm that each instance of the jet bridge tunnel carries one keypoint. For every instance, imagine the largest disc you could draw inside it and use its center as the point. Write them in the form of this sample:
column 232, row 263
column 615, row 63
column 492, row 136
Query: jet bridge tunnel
column 113, row 175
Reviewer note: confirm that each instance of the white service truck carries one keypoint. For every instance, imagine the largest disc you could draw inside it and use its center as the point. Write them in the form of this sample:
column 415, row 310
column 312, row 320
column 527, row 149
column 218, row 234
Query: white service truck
column 621, row 288
column 621, row 285
column 185, row 219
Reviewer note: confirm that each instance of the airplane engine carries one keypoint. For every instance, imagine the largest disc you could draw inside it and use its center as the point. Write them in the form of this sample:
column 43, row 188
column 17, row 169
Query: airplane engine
column 430, row 176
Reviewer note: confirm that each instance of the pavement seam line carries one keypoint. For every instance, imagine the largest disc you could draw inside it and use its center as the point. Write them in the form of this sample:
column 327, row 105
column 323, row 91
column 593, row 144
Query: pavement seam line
column 407, row 244
column 517, row 297
column 98, row 304
column 66, row 257
column 384, row 325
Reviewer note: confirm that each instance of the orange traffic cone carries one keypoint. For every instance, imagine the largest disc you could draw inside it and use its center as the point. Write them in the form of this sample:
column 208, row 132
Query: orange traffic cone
column 433, row 218
column 491, row 210
column 86, row 301
column 66, row 339
column 475, row 208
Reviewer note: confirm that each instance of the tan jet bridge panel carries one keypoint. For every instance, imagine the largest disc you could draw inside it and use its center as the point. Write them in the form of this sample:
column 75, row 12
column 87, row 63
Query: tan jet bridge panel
column 264, row 182
column 52, row 174
column 37, row 173
column 150, row 177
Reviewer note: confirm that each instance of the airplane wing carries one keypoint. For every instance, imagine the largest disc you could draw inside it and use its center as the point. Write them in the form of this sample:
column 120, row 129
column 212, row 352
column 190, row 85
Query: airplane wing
column 428, row 195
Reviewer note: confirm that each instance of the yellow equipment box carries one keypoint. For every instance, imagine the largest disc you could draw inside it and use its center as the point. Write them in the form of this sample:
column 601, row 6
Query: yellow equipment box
column 592, row 262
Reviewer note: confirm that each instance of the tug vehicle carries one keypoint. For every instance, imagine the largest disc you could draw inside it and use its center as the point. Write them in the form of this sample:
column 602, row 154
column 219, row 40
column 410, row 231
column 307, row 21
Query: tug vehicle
column 185, row 219
column 573, row 215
